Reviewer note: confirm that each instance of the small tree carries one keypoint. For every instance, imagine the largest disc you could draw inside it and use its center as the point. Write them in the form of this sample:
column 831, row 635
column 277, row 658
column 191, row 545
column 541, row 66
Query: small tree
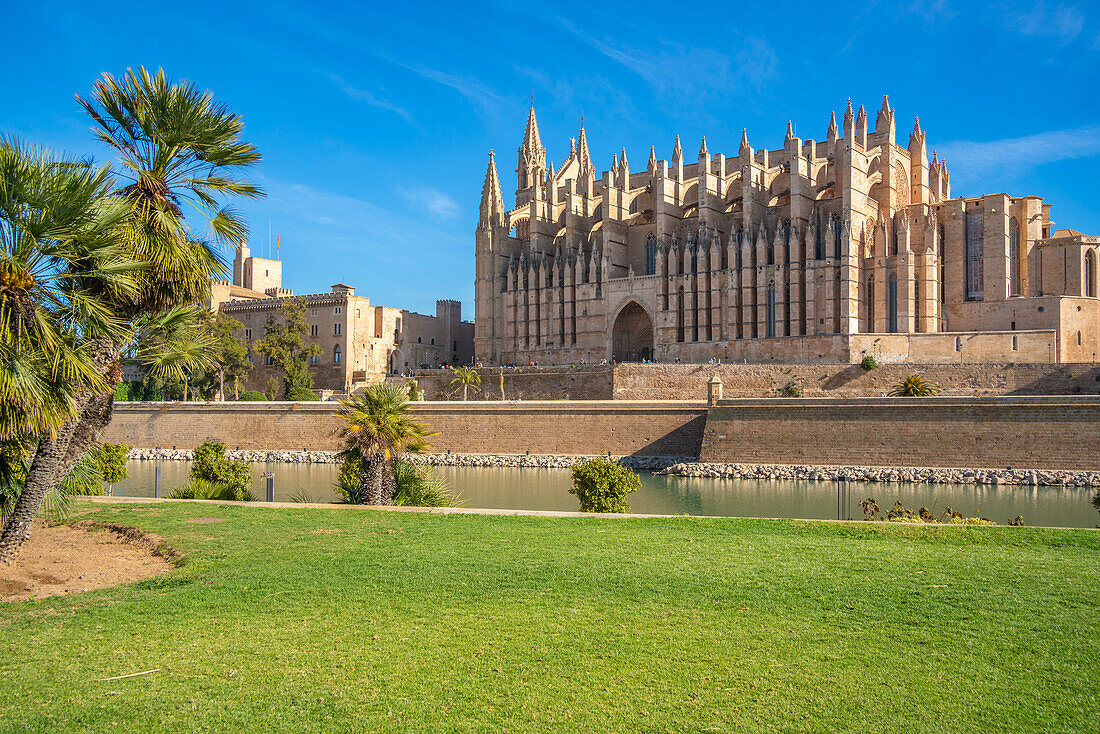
column 467, row 377
column 284, row 342
column 414, row 390
column 602, row 485
column 229, row 355
column 915, row 386
column 109, row 460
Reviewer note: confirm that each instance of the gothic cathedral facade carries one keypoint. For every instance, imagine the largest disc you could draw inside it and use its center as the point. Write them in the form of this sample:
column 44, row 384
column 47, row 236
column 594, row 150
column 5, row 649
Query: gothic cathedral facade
column 821, row 251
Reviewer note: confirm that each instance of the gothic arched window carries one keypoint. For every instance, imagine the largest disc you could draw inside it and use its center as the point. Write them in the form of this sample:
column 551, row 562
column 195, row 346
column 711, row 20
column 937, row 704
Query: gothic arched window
column 740, row 255
column 892, row 304
column 770, row 247
column 871, row 305
column 943, row 265
column 819, row 240
column 1014, row 257
column 336, row 355
column 650, row 254
column 771, row 310
column 787, row 241
column 837, row 230
column 894, row 238
column 1090, row 275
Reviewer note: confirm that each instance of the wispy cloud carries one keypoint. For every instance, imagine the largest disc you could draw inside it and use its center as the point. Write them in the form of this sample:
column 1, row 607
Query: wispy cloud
column 472, row 89
column 1061, row 22
column 366, row 96
column 671, row 67
column 932, row 11
column 436, row 202
column 978, row 162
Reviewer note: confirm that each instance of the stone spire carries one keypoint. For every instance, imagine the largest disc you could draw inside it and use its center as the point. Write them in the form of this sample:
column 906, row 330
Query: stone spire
column 744, row 142
column 677, row 152
column 532, row 143
column 885, row 116
column 916, row 138
column 582, row 150
column 849, row 121
column 833, row 133
column 861, row 126
column 652, row 159
column 624, row 169
column 492, row 201
column 790, row 132
column 703, row 148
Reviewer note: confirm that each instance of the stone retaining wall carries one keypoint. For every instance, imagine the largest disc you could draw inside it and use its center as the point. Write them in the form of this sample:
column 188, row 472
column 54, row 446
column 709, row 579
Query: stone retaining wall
column 994, row 433
column 579, row 428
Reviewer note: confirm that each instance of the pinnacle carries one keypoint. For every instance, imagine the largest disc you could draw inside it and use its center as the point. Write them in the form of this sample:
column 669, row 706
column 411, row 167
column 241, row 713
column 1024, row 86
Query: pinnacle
column 744, row 139
column 532, row 143
column 703, row 147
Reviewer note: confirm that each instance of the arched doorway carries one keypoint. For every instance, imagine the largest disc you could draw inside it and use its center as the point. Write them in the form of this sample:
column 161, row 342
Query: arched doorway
column 632, row 335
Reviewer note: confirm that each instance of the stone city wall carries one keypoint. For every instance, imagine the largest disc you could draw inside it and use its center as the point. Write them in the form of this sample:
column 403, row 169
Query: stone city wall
column 688, row 381
column 624, row 428
column 994, row 432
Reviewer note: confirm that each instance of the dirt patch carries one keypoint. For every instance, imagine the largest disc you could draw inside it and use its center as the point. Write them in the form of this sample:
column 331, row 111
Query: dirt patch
column 65, row 559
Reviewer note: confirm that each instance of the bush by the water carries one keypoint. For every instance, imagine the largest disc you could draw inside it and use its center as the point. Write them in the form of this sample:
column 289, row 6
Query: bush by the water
column 299, row 393
column 602, row 485
column 213, row 476
column 252, row 396
column 415, row 485
column 104, row 463
column 901, row 513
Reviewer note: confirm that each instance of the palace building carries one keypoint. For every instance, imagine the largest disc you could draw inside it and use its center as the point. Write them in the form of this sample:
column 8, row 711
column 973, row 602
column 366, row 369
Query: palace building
column 360, row 343
column 820, row 251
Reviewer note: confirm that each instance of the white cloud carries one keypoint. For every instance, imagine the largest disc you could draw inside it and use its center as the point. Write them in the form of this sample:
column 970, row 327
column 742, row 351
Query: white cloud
column 436, row 202
column 975, row 162
column 364, row 95
column 480, row 94
column 1061, row 22
column 680, row 69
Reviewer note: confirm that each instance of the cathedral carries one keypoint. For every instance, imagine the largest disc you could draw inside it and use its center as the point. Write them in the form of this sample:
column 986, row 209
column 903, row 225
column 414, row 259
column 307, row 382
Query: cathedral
column 820, row 251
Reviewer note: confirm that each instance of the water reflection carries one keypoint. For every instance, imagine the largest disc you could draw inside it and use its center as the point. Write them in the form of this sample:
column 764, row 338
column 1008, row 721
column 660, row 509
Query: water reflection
column 548, row 489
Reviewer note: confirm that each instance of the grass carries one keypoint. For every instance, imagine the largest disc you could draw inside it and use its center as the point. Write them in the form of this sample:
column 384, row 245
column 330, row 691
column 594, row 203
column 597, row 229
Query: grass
column 291, row 620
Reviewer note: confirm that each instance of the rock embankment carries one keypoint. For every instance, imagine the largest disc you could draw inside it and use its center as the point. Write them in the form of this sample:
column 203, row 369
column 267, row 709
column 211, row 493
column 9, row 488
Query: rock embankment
column 1060, row 478
column 686, row 466
column 527, row 461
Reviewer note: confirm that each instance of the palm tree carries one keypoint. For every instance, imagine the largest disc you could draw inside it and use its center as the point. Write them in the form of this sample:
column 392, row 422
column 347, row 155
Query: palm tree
column 467, row 377
column 177, row 149
column 379, row 430
column 62, row 262
column 915, row 386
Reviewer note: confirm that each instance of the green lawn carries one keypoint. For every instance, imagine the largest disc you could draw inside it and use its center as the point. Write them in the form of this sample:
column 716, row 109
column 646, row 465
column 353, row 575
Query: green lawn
column 316, row 620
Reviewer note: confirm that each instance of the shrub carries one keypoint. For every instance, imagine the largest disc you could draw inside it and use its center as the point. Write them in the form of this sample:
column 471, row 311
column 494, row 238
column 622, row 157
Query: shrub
column 202, row 489
column 602, row 485
column 414, row 390
column 868, row 363
column 122, row 392
column 793, row 389
column 210, row 465
column 915, row 386
column 414, row 485
column 900, row 513
column 300, row 393
column 252, row 395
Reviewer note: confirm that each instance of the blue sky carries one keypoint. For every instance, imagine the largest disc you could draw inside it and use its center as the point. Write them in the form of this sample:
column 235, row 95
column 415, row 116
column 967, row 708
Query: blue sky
column 375, row 121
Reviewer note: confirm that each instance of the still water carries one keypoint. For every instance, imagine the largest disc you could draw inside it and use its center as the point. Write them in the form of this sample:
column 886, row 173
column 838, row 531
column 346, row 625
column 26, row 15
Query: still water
column 548, row 489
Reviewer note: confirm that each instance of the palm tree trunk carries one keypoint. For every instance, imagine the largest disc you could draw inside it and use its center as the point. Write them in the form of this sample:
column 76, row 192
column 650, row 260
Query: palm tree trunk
column 465, row 388
column 56, row 455
column 221, row 386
